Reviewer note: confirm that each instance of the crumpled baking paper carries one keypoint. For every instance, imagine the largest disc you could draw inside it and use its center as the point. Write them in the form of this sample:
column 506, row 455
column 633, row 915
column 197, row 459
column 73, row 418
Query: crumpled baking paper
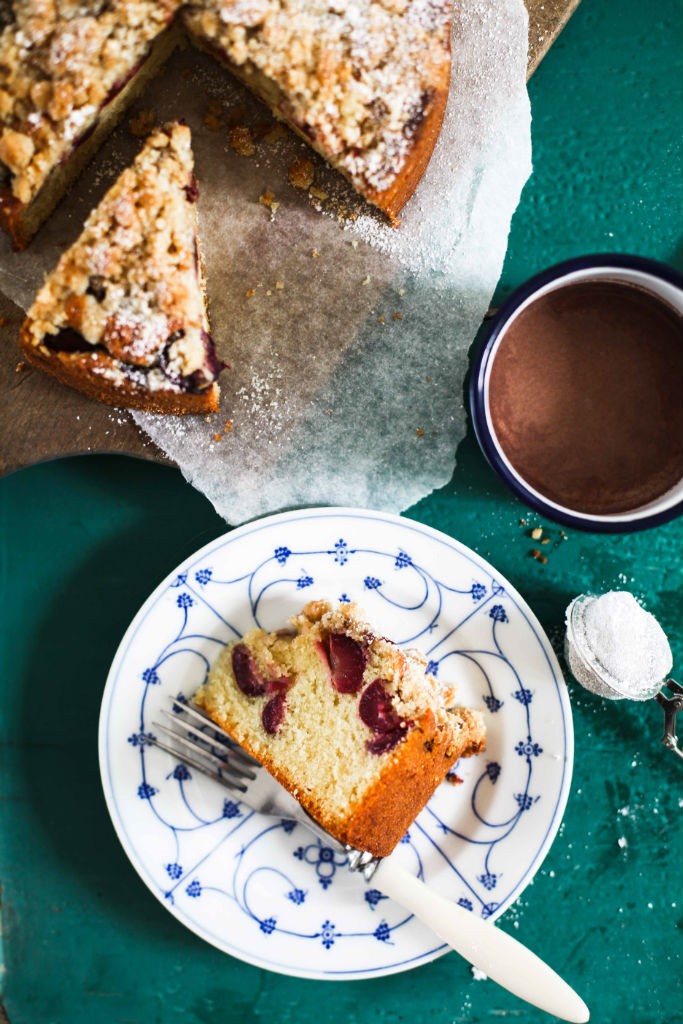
column 347, row 339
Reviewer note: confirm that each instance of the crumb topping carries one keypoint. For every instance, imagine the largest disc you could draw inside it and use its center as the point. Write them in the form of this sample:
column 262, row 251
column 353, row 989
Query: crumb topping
column 61, row 61
column 355, row 77
column 131, row 287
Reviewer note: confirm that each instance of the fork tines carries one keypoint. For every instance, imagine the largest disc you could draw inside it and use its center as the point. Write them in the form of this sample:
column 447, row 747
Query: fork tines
column 198, row 742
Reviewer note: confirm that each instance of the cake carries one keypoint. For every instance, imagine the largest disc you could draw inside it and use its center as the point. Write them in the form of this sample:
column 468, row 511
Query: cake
column 123, row 317
column 365, row 84
column 348, row 722
column 68, row 71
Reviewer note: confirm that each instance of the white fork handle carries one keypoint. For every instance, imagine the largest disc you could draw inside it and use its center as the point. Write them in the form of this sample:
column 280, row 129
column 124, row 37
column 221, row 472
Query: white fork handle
column 501, row 957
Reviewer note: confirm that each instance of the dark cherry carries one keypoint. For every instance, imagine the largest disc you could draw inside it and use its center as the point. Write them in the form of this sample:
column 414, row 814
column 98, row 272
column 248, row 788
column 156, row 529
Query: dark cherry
column 96, row 287
column 192, row 190
column 418, row 117
column 383, row 741
column 68, row 340
column 379, row 714
column 247, row 675
column 347, row 663
column 376, row 709
column 273, row 713
column 279, row 685
column 202, row 379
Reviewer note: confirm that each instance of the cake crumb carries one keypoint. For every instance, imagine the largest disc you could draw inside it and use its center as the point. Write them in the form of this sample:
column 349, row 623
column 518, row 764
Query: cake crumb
column 301, row 173
column 366, row 280
column 397, row 316
column 318, row 193
column 420, row 432
column 280, row 285
column 218, row 437
column 267, row 199
column 213, row 119
column 21, row 365
column 141, row 125
column 315, row 254
column 228, row 426
column 478, row 974
column 536, row 533
column 241, row 141
column 380, row 319
column 278, row 131
column 250, row 292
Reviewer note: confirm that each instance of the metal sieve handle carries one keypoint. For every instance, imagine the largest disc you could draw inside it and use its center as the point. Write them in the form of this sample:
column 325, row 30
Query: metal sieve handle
column 672, row 705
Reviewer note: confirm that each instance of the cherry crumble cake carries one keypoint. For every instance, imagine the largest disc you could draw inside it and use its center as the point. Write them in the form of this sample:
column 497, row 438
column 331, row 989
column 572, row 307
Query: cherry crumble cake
column 68, row 70
column 364, row 83
column 345, row 720
column 123, row 317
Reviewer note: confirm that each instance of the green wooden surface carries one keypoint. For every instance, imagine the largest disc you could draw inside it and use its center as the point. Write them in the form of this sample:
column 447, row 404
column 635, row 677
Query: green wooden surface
column 84, row 541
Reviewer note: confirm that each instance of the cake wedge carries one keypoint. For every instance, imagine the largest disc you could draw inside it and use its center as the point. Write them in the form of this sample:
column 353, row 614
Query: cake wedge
column 123, row 315
column 345, row 720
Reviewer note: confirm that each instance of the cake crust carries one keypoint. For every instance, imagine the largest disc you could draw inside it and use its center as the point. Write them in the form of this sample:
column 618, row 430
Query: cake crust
column 374, row 798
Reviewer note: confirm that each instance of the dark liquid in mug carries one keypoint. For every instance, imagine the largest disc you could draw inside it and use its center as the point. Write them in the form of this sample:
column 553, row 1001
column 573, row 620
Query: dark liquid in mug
column 586, row 396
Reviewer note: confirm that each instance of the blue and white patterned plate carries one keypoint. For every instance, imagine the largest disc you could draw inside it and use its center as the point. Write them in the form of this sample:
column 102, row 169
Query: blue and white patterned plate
column 268, row 891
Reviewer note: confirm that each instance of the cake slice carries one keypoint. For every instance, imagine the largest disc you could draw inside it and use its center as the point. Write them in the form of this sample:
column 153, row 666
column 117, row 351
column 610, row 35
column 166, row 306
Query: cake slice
column 345, row 720
column 68, row 71
column 123, row 315
column 365, row 84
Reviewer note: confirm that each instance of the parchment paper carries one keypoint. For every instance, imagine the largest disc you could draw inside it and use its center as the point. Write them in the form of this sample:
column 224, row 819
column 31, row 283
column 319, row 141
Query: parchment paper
column 347, row 339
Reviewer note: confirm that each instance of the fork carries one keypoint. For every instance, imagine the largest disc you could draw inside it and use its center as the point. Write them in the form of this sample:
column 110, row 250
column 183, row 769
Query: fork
column 198, row 742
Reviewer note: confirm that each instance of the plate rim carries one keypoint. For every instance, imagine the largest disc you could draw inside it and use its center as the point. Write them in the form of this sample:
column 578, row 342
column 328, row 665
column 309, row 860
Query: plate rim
column 334, row 512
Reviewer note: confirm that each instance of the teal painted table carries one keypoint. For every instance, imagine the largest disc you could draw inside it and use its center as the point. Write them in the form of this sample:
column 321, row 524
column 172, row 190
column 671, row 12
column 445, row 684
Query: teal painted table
column 85, row 540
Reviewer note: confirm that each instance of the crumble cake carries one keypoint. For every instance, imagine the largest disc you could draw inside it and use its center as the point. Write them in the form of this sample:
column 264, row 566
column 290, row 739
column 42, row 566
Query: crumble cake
column 68, row 70
column 345, row 720
column 365, row 84
column 123, row 315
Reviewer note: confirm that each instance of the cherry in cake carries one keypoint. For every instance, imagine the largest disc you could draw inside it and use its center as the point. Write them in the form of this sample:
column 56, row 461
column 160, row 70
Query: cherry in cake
column 348, row 722
column 123, row 315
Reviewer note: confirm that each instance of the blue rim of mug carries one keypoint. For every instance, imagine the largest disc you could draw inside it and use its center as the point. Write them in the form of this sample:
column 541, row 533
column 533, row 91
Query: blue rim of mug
column 477, row 392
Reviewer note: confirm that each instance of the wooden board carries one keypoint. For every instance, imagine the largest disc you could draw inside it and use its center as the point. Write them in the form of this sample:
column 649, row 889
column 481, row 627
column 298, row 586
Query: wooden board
column 40, row 419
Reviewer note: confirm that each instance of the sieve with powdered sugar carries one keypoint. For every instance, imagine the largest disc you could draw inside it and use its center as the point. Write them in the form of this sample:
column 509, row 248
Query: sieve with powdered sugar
column 618, row 650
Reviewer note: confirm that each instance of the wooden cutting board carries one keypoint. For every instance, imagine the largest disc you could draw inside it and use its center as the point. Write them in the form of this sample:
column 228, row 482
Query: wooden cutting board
column 40, row 419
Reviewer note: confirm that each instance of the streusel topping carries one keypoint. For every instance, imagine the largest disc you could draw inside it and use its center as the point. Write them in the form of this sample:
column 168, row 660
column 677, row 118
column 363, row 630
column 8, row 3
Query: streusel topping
column 61, row 61
column 131, row 286
column 356, row 77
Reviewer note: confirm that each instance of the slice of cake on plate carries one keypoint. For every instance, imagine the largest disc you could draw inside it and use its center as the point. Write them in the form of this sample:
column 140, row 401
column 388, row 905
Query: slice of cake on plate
column 123, row 315
column 345, row 720
column 365, row 84
column 68, row 71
